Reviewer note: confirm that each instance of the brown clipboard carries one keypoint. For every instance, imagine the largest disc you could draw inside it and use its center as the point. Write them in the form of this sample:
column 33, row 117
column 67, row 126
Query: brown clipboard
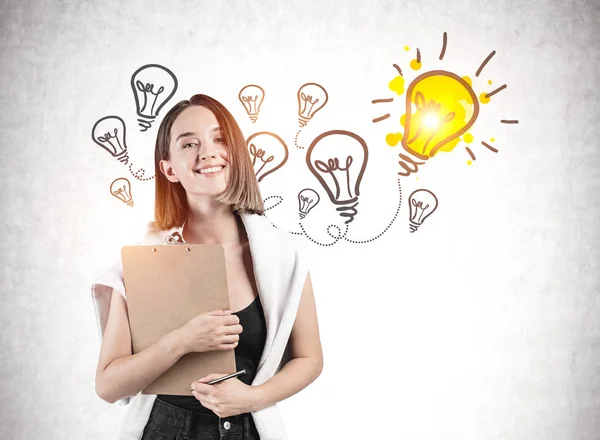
column 166, row 286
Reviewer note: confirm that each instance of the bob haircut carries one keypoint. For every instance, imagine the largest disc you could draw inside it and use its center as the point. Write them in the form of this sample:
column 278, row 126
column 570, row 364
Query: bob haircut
column 242, row 191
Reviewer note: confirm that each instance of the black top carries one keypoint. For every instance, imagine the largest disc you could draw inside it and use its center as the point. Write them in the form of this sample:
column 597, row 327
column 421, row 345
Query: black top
column 247, row 354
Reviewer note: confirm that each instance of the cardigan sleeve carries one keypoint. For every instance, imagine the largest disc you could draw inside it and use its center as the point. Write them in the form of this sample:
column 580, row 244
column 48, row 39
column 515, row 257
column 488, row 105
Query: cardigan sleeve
column 302, row 264
column 102, row 288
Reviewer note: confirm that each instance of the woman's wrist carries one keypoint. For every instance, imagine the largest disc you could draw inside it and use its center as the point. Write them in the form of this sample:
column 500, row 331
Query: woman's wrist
column 257, row 398
column 175, row 344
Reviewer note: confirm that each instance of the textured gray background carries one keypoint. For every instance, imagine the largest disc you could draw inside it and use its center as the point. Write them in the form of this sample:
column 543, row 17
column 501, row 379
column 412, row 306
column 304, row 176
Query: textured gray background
column 487, row 317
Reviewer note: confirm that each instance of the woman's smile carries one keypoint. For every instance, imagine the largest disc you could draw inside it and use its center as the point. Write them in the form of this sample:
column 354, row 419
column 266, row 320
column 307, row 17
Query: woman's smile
column 210, row 171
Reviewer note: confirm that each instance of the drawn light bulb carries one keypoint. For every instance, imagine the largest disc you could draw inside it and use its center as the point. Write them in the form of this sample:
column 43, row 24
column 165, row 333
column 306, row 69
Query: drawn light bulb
column 268, row 153
column 422, row 203
column 338, row 160
column 311, row 98
column 307, row 200
column 251, row 98
column 153, row 85
column 121, row 189
column 440, row 107
column 109, row 133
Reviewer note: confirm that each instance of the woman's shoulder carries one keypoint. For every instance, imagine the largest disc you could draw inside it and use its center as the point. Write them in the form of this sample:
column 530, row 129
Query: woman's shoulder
column 283, row 240
column 152, row 234
column 112, row 276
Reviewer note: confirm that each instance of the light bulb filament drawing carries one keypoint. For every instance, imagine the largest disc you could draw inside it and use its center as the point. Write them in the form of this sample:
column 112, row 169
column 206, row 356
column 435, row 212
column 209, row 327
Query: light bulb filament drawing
column 268, row 153
column 432, row 120
column 146, row 90
column 252, row 104
column 333, row 164
column 307, row 110
column 419, row 209
column 257, row 153
column 114, row 149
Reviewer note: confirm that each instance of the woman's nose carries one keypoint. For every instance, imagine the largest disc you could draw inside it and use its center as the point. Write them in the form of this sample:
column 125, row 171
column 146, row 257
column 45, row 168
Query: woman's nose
column 208, row 155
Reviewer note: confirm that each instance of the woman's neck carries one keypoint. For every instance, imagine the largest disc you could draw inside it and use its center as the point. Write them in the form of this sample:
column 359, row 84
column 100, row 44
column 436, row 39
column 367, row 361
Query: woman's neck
column 218, row 225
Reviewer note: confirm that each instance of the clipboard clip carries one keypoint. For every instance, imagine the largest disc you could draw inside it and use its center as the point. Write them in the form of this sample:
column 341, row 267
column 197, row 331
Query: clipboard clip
column 174, row 238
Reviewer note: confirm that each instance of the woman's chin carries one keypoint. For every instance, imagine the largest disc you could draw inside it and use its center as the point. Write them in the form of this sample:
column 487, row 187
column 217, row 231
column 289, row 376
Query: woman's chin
column 205, row 191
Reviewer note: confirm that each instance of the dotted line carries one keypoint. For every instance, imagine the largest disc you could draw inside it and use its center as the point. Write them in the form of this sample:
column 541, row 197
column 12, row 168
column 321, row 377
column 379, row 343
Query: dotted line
column 296, row 140
column 139, row 175
column 273, row 197
column 329, row 227
column 339, row 231
column 277, row 227
column 388, row 226
column 338, row 238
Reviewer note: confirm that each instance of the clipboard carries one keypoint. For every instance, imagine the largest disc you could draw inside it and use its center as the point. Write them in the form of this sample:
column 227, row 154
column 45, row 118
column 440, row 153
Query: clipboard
column 167, row 285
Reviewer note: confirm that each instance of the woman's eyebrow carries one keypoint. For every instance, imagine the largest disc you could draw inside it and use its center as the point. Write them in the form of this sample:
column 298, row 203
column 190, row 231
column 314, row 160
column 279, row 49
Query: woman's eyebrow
column 191, row 133
column 187, row 133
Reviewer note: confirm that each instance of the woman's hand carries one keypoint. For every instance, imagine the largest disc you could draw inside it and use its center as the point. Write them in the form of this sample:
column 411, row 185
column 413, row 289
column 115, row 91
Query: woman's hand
column 228, row 398
column 216, row 330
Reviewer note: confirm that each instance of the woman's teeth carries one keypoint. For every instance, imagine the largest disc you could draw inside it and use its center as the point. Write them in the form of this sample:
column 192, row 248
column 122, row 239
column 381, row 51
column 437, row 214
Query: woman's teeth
column 210, row 170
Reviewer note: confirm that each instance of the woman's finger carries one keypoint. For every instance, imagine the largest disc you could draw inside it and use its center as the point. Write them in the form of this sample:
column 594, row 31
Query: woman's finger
column 229, row 339
column 228, row 346
column 201, row 388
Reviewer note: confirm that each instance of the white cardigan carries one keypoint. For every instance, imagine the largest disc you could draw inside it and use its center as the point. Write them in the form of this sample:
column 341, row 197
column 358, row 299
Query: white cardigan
column 280, row 271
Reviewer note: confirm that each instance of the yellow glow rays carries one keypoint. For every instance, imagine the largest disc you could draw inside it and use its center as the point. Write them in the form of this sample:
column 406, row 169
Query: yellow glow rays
column 440, row 109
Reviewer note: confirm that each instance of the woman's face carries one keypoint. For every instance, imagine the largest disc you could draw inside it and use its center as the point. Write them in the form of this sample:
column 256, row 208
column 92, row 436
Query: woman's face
column 198, row 154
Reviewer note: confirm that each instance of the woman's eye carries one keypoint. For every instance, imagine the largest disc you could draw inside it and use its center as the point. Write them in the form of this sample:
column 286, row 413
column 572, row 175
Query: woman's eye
column 186, row 145
column 220, row 140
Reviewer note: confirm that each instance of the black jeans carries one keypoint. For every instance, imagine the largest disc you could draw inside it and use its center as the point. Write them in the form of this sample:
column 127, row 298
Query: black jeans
column 168, row 422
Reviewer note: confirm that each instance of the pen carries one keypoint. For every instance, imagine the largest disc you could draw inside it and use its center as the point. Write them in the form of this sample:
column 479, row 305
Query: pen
column 221, row 379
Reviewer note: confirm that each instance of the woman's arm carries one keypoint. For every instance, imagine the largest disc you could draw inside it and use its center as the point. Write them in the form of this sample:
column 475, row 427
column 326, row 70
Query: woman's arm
column 306, row 352
column 121, row 374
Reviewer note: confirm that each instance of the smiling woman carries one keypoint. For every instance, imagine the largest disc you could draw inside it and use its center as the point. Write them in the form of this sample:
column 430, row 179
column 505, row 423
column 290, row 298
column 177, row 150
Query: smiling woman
column 207, row 192
column 201, row 124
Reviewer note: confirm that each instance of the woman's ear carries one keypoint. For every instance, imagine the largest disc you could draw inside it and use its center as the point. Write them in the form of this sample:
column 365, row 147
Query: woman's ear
column 167, row 170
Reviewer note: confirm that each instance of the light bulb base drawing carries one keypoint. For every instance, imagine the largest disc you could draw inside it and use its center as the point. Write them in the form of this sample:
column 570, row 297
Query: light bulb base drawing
column 145, row 124
column 348, row 211
column 413, row 226
column 123, row 158
column 302, row 121
column 253, row 118
column 408, row 164
column 301, row 215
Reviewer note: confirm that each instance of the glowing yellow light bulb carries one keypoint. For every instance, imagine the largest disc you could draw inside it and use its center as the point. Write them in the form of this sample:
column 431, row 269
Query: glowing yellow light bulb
column 440, row 107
